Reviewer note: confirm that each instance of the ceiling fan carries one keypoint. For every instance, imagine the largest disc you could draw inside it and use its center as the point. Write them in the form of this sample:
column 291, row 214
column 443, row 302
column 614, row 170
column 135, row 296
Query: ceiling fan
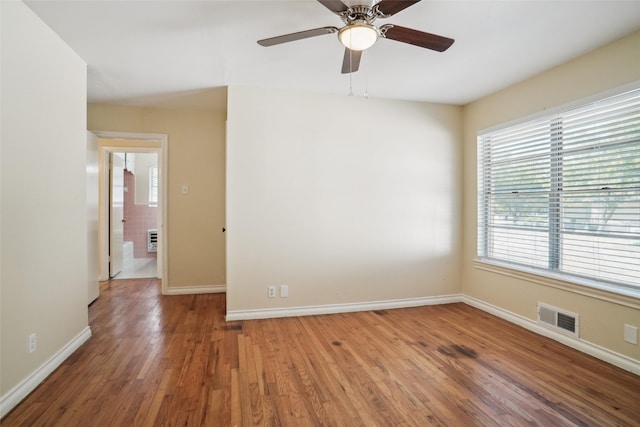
column 359, row 33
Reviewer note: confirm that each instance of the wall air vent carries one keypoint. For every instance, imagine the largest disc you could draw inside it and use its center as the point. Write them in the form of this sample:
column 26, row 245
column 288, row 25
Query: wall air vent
column 152, row 240
column 557, row 319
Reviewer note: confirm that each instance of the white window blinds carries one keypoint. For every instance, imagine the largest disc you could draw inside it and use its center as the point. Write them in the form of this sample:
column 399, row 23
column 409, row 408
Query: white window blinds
column 562, row 193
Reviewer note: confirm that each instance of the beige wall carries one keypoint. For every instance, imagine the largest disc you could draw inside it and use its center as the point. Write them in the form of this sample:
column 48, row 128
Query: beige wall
column 344, row 199
column 196, row 147
column 601, row 321
column 43, row 261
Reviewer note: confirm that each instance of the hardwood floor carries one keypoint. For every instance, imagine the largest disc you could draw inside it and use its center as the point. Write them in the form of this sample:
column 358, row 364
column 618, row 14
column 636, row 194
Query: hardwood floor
column 173, row 360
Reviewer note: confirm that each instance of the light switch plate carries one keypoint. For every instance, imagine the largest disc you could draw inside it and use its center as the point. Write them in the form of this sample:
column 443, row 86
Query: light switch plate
column 631, row 334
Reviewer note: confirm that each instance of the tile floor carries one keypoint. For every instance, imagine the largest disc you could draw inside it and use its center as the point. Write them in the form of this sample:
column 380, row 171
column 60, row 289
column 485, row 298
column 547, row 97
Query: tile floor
column 140, row 268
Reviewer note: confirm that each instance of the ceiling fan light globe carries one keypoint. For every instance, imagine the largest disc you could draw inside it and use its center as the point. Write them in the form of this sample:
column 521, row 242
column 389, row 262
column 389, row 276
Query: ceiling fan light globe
column 358, row 36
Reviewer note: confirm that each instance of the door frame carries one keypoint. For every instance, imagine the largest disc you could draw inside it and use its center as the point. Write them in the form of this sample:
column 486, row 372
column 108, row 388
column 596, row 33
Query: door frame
column 116, row 162
column 132, row 142
column 93, row 242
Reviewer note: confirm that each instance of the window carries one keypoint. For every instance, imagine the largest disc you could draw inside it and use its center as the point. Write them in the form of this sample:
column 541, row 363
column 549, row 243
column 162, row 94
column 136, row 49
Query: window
column 561, row 194
column 153, row 186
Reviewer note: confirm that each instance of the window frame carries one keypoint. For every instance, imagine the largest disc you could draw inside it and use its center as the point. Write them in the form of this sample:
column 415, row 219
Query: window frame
column 544, row 275
column 153, row 186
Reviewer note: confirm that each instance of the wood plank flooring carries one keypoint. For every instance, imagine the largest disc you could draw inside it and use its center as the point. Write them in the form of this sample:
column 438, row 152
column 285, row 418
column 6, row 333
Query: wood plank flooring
column 172, row 360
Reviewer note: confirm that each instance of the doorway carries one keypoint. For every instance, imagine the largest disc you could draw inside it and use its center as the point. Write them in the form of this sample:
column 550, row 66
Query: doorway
column 133, row 222
column 147, row 183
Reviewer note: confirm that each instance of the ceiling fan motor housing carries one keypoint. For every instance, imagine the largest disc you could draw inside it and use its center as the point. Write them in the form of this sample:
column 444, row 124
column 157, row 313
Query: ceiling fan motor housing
column 359, row 33
column 364, row 14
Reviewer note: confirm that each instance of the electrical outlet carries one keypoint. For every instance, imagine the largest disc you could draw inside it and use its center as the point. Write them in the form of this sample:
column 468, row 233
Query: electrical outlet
column 631, row 334
column 284, row 291
column 271, row 292
column 32, row 343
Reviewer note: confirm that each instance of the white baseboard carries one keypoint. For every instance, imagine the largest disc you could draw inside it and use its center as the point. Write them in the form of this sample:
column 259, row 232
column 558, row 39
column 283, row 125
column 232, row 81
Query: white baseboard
column 584, row 346
column 20, row 391
column 189, row 290
column 269, row 313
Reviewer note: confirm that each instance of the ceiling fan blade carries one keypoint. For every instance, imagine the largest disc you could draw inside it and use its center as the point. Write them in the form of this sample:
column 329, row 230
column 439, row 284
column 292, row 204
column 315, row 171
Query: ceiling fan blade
column 297, row 36
column 335, row 6
column 351, row 61
column 391, row 7
column 416, row 38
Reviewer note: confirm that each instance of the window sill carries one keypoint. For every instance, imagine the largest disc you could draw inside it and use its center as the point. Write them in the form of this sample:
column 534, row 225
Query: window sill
column 603, row 291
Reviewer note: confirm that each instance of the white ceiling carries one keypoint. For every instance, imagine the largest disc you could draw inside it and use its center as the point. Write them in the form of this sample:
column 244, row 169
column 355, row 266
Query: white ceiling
column 172, row 53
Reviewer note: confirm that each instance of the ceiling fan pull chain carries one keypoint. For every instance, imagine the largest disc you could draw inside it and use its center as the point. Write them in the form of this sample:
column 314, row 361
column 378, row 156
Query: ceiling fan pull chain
column 350, row 74
column 366, row 75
